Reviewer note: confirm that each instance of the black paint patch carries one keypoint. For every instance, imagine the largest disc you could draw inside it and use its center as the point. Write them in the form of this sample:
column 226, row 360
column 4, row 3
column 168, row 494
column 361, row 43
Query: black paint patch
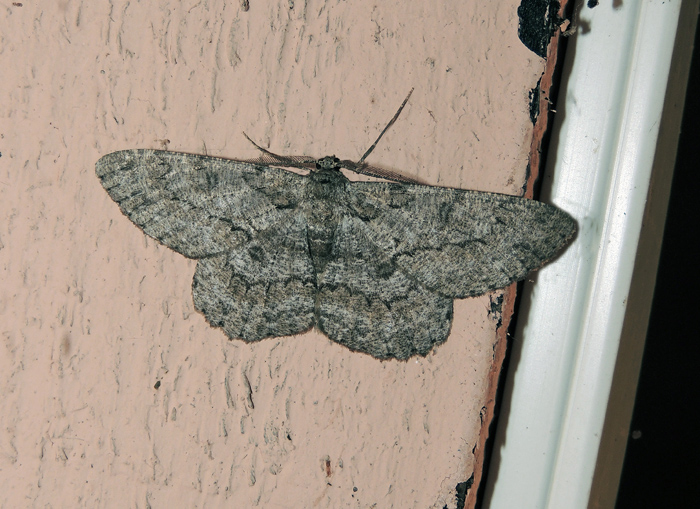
column 496, row 310
column 462, row 489
column 538, row 22
column 534, row 97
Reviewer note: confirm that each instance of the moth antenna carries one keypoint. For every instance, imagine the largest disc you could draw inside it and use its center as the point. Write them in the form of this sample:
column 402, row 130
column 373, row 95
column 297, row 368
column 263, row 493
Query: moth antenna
column 391, row 122
column 375, row 171
column 293, row 161
column 267, row 152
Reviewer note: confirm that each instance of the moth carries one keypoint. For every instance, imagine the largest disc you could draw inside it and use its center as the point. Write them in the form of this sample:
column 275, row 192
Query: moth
column 375, row 266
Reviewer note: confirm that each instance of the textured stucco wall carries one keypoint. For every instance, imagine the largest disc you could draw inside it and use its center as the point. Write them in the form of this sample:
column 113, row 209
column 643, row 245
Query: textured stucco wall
column 93, row 313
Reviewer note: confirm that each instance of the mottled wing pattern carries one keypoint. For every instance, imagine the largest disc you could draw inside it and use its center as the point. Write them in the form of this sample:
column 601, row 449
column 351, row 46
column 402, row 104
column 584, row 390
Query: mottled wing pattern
column 265, row 288
column 400, row 253
column 366, row 304
column 254, row 278
column 459, row 243
column 197, row 205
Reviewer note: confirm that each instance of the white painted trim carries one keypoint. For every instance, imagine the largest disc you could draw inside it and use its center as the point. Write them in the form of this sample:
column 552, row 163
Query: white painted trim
column 570, row 321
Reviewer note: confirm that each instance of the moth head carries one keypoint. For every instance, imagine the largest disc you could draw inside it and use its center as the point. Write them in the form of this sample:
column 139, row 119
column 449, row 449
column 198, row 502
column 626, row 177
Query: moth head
column 328, row 163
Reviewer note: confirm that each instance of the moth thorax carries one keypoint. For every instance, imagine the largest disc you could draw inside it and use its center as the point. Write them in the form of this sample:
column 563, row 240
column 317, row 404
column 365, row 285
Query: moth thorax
column 327, row 163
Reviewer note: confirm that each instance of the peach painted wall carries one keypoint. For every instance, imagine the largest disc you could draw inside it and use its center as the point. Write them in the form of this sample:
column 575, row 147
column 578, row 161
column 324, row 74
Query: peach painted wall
column 93, row 313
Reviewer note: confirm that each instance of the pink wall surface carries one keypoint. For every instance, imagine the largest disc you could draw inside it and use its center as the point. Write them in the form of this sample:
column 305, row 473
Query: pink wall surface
column 93, row 313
